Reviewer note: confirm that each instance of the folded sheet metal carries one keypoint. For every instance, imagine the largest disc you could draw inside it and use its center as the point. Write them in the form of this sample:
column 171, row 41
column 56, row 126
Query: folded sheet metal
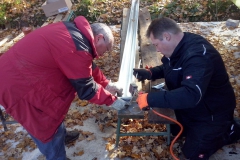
column 129, row 53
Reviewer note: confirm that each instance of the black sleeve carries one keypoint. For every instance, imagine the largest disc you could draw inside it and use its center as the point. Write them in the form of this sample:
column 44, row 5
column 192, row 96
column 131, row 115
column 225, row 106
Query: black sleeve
column 157, row 72
column 86, row 87
column 197, row 72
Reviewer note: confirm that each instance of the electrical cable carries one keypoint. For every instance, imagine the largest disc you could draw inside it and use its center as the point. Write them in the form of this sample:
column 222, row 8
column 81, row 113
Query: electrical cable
column 174, row 140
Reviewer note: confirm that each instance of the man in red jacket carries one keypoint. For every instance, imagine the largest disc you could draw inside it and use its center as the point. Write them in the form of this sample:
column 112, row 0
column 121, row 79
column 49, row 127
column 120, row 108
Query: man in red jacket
column 42, row 71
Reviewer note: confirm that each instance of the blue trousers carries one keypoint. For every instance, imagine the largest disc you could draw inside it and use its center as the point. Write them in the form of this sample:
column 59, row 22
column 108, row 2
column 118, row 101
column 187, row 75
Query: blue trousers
column 55, row 149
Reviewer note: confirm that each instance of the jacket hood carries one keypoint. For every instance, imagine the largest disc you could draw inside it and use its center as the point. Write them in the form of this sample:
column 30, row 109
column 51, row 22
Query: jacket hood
column 85, row 28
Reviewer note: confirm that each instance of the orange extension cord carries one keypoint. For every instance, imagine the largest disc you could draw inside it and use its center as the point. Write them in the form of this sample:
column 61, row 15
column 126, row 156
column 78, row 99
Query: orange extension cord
column 174, row 140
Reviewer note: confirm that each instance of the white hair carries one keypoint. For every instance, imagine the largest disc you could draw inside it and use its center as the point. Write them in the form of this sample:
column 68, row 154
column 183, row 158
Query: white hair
column 101, row 28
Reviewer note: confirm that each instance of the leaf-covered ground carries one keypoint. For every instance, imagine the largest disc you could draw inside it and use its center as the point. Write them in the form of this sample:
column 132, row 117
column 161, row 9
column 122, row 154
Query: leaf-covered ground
column 16, row 144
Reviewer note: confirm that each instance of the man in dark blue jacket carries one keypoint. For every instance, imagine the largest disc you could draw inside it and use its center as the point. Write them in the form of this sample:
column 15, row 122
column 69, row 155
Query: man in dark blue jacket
column 198, row 85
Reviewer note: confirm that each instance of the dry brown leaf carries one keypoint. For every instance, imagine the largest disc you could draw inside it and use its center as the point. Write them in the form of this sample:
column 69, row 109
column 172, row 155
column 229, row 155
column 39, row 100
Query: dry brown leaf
column 144, row 149
column 121, row 154
column 86, row 133
column 150, row 141
column 135, row 149
column 110, row 146
column 80, row 153
column 136, row 156
column 91, row 137
column 101, row 127
column 81, row 137
column 128, row 148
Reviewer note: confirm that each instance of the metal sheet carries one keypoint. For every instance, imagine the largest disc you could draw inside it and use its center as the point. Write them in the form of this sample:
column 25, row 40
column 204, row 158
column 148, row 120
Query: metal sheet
column 128, row 60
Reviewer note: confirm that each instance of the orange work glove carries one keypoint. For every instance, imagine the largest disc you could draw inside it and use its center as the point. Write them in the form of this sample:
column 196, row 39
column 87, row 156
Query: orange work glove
column 142, row 101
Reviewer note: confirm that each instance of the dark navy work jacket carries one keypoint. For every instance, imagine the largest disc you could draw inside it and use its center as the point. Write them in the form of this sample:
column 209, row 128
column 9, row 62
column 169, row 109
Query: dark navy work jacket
column 197, row 81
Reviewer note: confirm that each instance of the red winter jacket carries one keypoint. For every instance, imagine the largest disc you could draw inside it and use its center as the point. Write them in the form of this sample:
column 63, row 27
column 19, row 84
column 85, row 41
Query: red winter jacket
column 41, row 73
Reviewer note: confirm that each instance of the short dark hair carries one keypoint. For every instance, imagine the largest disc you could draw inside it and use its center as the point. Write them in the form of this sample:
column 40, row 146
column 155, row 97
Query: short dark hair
column 160, row 25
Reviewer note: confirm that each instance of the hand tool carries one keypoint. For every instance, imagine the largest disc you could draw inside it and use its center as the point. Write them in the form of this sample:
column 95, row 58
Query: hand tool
column 131, row 103
column 160, row 86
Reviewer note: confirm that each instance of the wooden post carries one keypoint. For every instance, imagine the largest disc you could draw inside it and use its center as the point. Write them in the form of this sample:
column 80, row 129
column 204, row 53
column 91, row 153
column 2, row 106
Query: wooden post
column 152, row 58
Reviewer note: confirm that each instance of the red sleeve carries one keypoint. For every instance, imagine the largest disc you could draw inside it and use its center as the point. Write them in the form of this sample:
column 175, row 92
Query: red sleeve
column 77, row 67
column 99, row 77
column 103, row 97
